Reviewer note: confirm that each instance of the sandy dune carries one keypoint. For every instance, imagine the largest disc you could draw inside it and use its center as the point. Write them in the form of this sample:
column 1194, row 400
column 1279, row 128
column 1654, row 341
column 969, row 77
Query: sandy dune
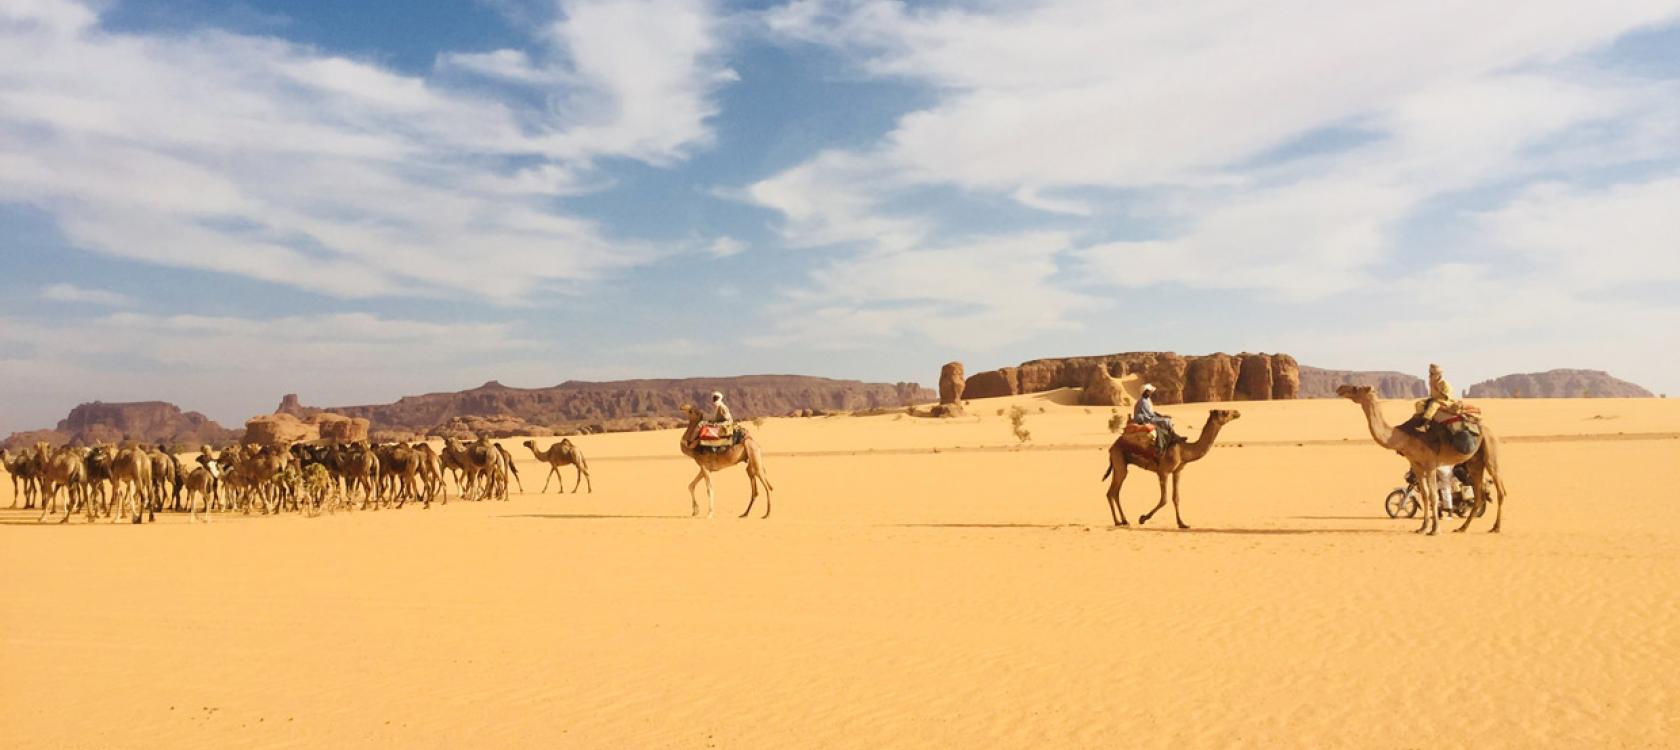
column 920, row 583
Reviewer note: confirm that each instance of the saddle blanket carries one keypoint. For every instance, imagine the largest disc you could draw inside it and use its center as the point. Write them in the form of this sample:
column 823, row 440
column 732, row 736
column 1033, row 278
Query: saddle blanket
column 716, row 435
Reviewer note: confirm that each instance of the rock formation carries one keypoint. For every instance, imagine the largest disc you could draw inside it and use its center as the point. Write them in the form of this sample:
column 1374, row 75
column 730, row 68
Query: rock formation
column 950, row 390
column 1317, row 383
column 1286, row 377
column 140, row 421
column 1210, row 378
column 1254, row 378
column 1102, row 390
column 993, row 383
column 1177, row 379
column 1558, row 384
column 630, row 404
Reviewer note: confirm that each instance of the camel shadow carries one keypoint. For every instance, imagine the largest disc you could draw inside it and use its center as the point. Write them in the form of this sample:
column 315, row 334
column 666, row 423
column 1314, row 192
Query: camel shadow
column 1259, row 532
column 983, row 525
column 592, row 517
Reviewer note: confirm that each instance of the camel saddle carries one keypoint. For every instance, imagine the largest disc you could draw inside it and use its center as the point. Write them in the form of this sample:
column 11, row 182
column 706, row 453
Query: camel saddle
column 719, row 436
column 1139, row 439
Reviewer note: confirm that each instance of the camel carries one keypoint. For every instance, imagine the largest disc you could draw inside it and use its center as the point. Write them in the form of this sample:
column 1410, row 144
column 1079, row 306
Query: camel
column 200, row 483
column 402, row 465
column 98, row 468
column 164, row 471
column 431, row 472
column 23, row 469
column 561, row 454
column 746, row 451
column 131, row 467
column 1128, row 450
column 62, row 469
column 1426, row 456
column 454, row 459
column 359, row 467
column 507, row 461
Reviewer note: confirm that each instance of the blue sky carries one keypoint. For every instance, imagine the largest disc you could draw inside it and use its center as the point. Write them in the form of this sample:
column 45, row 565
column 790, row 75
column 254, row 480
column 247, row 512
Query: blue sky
column 217, row 203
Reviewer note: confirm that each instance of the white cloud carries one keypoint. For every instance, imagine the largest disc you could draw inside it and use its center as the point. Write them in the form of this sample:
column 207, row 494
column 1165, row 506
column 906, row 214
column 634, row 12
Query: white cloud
column 724, row 247
column 255, row 156
column 1593, row 238
column 232, row 367
column 980, row 293
column 1211, row 122
column 81, row 295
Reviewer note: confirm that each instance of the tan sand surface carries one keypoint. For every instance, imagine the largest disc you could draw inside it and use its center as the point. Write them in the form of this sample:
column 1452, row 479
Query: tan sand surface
column 921, row 583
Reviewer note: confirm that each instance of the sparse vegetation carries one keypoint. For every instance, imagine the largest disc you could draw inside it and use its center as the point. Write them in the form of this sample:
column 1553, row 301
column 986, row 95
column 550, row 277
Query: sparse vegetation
column 1018, row 421
column 1116, row 421
column 758, row 421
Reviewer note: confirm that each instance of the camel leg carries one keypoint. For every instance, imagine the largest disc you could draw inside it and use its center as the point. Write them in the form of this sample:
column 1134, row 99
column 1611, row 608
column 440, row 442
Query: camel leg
column 1478, row 496
column 581, row 476
column 752, row 481
column 694, row 505
column 1498, row 507
column 1143, row 519
column 1119, row 478
column 552, row 470
column 1176, row 516
column 711, row 498
column 1431, row 501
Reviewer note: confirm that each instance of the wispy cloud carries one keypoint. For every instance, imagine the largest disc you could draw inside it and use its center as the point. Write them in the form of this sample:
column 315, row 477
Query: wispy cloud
column 254, row 156
column 1216, row 123
column 80, row 295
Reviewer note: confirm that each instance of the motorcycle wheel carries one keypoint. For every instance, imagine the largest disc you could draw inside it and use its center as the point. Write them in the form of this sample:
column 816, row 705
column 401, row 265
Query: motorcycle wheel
column 1395, row 503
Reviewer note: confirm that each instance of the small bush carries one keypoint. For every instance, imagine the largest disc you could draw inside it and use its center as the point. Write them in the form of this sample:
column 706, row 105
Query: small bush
column 758, row 421
column 1018, row 421
column 1116, row 421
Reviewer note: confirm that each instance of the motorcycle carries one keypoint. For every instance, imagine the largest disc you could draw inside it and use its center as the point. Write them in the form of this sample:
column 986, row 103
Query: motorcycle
column 1408, row 500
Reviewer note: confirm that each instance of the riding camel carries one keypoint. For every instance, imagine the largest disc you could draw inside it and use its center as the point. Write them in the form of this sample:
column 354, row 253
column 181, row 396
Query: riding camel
column 746, row 451
column 563, row 453
column 1138, row 449
column 1426, row 455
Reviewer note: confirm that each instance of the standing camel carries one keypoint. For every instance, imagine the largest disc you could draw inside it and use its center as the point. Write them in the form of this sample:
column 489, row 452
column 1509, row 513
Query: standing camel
column 561, row 454
column 1426, row 455
column 1138, row 449
column 63, row 469
column 24, row 469
column 132, row 467
column 746, row 451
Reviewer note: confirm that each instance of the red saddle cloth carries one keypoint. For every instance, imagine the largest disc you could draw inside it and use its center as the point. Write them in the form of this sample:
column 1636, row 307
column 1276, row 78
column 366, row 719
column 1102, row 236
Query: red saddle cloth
column 1135, row 427
column 710, row 432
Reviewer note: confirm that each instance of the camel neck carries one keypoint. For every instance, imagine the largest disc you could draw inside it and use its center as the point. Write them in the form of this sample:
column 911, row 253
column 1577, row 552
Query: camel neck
column 1203, row 444
column 1380, row 430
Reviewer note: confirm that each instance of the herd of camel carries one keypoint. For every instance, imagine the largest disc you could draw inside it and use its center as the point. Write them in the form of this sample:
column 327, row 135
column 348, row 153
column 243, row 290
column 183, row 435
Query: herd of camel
column 309, row 478
column 137, row 481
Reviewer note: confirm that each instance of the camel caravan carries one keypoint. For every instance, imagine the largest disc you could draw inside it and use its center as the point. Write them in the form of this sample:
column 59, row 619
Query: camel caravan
column 311, row 477
column 138, row 481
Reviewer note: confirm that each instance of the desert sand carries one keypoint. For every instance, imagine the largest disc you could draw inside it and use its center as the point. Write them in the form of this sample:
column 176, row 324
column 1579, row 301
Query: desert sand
column 922, row 583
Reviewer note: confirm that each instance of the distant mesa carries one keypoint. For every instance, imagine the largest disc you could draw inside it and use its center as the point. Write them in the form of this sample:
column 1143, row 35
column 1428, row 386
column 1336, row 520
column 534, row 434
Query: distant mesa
column 139, row 421
column 575, row 407
column 1319, row 383
column 1558, row 384
column 1177, row 378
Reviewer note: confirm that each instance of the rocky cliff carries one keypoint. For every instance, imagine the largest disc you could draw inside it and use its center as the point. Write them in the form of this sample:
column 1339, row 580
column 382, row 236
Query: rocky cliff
column 1558, row 384
column 629, row 404
column 1177, row 378
column 1319, row 383
column 142, row 421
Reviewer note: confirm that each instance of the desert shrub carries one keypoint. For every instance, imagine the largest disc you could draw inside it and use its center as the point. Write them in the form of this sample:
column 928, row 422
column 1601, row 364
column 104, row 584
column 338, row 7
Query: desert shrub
column 1116, row 421
column 1018, row 421
column 758, row 421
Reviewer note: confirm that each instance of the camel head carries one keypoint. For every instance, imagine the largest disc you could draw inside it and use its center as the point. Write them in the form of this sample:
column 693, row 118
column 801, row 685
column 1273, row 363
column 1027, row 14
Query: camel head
column 1222, row 416
column 532, row 444
column 1356, row 393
